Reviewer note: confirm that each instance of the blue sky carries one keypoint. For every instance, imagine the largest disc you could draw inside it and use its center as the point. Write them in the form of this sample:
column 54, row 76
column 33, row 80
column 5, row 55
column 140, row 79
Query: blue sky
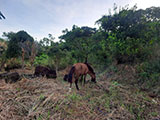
column 41, row 17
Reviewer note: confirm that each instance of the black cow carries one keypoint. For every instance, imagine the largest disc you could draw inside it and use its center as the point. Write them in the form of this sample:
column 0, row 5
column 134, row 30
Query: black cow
column 42, row 71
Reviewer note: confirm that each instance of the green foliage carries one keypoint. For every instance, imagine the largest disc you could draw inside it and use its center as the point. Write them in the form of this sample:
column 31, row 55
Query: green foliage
column 125, row 36
column 57, row 55
column 154, row 114
column 74, row 97
column 131, row 33
column 41, row 97
column 41, row 60
column 13, row 63
column 127, row 50
column 16, row 42
column 149, row 73
column 3, row 48
column 79, row 42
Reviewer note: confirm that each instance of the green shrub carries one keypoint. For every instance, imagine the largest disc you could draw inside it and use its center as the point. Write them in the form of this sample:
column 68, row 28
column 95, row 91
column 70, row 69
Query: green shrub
column 13, row 63
column 127, row 50
column 41, row 60
column 149, row 73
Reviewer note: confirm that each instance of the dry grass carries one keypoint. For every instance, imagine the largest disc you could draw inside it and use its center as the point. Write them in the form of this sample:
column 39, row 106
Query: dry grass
column 50, row 99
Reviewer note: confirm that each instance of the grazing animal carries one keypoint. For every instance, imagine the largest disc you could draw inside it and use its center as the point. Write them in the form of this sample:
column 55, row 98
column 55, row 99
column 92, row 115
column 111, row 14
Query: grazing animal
column 65, row 78
column 78, row 70
column 51, row 74
column 41, row 70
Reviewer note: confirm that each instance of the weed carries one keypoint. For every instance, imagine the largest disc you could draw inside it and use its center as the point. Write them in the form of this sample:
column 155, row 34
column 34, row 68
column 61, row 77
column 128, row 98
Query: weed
column 74, row 97
column 41, row 97
column 115, row 83
column 113, row 68
column 18, row 89
column 107, row 105
column 154, row 114
column 49, row 114
column 57, row 107
column 40, row 117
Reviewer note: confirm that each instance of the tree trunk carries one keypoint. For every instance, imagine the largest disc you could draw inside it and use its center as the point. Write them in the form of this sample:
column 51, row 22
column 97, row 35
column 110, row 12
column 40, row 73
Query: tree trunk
column 2, row 64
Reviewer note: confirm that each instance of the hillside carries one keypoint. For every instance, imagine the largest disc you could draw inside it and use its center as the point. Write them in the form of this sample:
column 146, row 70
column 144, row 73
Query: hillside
column 50, row 99
column 122, row 50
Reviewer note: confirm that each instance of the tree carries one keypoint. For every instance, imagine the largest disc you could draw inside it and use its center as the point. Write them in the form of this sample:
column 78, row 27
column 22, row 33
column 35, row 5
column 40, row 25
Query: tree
column 3, row 48
column 33, row 53
column 130, row 32
column 56, row 54
column 44, row 44
column 78, row 41
column 17, row 41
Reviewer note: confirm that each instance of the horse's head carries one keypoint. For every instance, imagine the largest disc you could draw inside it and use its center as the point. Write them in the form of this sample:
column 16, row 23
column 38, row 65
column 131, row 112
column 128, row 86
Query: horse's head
column 93, row 75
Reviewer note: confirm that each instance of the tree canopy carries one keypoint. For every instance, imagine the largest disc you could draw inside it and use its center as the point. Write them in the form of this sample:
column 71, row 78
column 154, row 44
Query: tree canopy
column 16, row 42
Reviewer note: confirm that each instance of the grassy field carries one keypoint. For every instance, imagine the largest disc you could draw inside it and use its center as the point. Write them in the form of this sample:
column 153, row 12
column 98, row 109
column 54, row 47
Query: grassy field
column 50, row 99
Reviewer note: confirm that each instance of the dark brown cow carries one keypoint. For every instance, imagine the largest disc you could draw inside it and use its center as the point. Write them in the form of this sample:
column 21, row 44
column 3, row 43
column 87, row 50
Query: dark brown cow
column 42, row 71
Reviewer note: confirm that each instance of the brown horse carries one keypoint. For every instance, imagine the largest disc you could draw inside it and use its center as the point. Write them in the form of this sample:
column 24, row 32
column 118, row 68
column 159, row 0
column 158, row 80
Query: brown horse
column 78, row 70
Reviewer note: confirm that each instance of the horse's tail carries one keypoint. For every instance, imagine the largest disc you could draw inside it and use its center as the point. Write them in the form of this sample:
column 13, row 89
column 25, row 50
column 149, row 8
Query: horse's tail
column 70, row 74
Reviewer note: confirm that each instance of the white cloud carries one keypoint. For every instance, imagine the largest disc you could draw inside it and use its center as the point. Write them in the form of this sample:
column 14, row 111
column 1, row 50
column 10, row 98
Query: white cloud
column 146, row 3
column 41, row 17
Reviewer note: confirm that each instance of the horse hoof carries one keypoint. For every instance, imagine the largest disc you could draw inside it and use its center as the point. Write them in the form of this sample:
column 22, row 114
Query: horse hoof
column 70, row 89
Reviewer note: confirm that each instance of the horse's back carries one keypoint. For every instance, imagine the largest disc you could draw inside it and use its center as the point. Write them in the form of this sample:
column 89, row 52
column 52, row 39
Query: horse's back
column 81, row 68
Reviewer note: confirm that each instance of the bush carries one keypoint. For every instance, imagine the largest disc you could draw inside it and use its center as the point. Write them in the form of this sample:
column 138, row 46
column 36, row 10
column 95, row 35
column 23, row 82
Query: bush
column 13, row 63
column 149, row 73
column 41, row 60
column 128, row 50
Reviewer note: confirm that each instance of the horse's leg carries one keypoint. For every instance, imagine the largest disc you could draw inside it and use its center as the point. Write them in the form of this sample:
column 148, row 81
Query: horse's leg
column 70, row 87
column 81, row 79
column 76, row 83
column 85, row 79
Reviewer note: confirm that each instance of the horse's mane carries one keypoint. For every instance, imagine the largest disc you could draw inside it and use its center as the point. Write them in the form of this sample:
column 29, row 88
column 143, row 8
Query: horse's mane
column 89, row 67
